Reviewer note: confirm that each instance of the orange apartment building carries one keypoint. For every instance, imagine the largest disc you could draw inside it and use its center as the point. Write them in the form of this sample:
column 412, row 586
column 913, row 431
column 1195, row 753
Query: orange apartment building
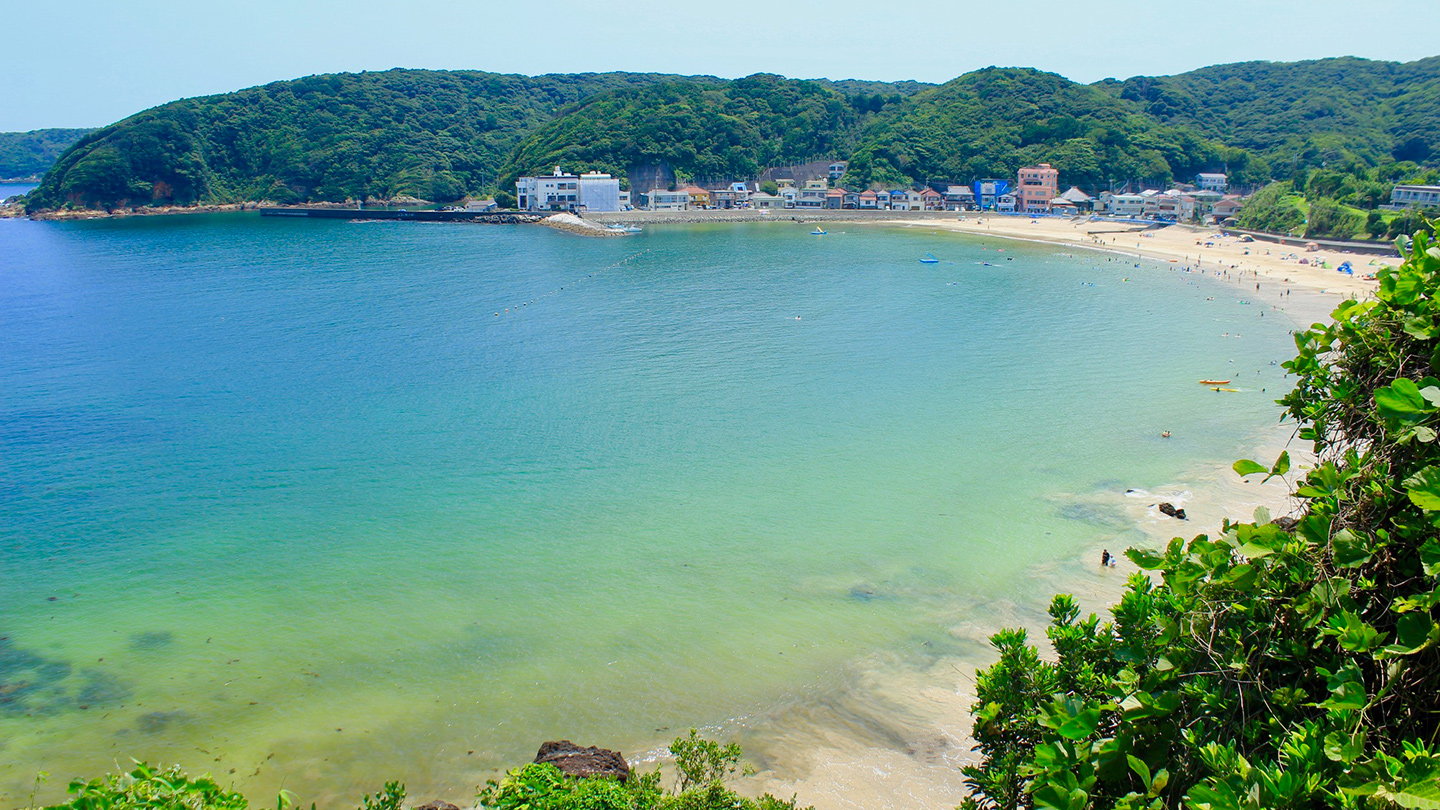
column 1038, row 186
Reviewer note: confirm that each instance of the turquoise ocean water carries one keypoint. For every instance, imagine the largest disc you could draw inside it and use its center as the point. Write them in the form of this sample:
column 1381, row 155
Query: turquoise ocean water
column 288, row 501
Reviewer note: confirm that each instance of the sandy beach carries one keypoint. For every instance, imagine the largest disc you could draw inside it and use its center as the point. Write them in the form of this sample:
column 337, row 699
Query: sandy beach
column 1246, row 263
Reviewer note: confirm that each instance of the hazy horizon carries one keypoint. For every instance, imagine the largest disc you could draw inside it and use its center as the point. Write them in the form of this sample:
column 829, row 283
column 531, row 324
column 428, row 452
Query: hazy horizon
column 139, row 57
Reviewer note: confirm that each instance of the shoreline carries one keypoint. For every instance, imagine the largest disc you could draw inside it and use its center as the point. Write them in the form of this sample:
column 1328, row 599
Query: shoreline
column 1202, row 249
column 896, row 730
column 841, row 752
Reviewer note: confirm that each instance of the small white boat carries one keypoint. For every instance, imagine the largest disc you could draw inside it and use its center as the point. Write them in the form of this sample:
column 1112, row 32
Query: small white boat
column 625, row 228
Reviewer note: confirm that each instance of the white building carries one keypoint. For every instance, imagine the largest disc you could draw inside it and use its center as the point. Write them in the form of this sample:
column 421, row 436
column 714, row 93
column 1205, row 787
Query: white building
column 1212, row 181
column 837, row 169
column 1127, row 205
column 1172, row 205
column 1422, row 196
column 659, row 199
column 592, row 191
column 767, row 202
column 912, row 201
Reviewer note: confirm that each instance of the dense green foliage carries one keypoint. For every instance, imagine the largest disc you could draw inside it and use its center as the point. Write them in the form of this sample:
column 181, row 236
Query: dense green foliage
column 439, row 135
column 702, row 767
column 432, row 134
column 149, row 788
column 1274, row 209
column 31, row 154
column 1280, row 664
column 1304, row 114
column 705, row 131
column 991, row 122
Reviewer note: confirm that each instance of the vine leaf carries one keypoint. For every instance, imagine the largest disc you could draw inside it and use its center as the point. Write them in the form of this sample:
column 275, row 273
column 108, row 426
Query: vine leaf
column 1245, row 467
column 1350, row 549
column 1424, row 488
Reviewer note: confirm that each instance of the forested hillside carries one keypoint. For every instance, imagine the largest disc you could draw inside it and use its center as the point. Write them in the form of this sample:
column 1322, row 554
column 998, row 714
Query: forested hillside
column 1304, row 113
column 991, row 122
column 442, row 134
column 30, row 154
column 432, row 134
column 732, row 130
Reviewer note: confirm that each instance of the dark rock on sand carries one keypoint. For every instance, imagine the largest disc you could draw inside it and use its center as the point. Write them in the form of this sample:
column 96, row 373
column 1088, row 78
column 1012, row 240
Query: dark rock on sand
column 573, row 760
column 437, row 805
column 1180, row 514
column 1168, row 508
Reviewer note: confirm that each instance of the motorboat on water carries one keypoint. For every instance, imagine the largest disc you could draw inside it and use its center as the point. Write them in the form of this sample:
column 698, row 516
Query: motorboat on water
column 625, row 228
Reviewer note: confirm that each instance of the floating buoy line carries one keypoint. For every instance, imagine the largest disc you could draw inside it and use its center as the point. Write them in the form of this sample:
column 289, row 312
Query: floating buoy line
column 561, row 288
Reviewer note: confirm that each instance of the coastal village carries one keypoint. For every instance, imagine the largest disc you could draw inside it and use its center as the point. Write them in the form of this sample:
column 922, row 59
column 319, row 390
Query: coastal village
column 1034, row 191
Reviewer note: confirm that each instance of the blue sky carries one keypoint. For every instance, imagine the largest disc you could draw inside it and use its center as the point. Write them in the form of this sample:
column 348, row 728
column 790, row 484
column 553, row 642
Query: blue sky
column 87, row 63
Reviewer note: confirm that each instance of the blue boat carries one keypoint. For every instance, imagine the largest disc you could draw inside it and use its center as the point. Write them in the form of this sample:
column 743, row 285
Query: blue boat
column 818, row 231
column 929, row 259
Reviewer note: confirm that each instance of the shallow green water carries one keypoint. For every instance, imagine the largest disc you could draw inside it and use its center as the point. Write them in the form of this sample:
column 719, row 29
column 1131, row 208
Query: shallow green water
column 294, row 488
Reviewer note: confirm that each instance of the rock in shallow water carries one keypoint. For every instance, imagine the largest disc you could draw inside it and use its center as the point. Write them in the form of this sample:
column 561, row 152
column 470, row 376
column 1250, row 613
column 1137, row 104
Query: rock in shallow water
column 573, row 760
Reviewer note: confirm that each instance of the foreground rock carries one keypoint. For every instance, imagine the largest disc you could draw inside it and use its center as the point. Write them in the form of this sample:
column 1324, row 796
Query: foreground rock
column 572, row 760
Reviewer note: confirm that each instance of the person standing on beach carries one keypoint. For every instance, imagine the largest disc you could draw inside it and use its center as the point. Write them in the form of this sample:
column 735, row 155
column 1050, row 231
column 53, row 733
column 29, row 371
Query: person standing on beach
column 1105, row 558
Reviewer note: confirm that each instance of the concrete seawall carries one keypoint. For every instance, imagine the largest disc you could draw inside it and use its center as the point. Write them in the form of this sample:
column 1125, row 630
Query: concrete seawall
column 750, row 215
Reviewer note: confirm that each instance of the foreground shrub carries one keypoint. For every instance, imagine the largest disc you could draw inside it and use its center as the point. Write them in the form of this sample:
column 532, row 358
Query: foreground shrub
column 1273, row 666
column 149, row 788
column 702, row 768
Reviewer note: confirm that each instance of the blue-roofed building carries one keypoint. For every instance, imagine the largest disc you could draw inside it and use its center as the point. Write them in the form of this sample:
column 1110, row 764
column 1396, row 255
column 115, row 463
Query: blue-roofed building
column 989, row 191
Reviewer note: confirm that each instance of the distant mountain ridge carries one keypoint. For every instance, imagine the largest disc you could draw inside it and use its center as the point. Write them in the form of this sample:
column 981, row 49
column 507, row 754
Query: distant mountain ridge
column 442, row 134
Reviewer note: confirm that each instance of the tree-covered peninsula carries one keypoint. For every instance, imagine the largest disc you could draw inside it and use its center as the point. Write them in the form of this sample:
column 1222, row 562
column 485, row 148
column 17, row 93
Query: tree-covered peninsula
column 31, row 154
column 425, row 133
